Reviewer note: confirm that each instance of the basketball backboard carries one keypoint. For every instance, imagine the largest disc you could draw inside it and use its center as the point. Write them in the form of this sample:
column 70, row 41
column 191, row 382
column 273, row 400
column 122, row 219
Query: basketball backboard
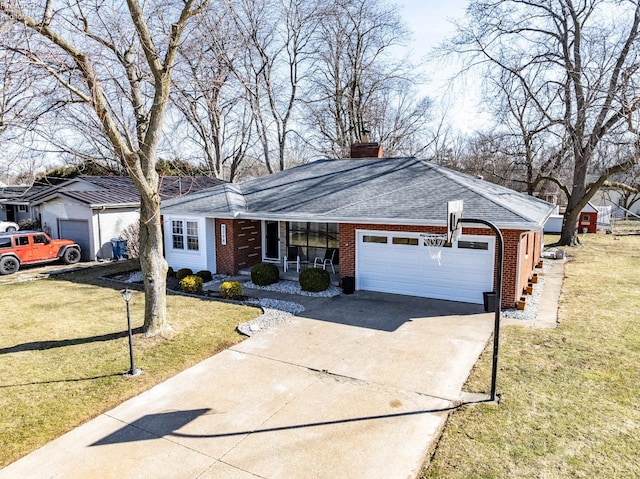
column 454, row 227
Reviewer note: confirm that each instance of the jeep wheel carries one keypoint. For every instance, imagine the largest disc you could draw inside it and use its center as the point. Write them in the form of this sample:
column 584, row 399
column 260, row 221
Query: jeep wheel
column 10, row 229
column 71, row 256
column 9, row 265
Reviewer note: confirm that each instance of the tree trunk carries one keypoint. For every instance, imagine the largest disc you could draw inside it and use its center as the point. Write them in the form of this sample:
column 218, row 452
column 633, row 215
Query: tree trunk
column 154, row 267
column 569, row 233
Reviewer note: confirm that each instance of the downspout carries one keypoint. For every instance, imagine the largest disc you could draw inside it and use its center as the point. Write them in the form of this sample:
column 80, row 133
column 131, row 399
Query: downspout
column 100, row 231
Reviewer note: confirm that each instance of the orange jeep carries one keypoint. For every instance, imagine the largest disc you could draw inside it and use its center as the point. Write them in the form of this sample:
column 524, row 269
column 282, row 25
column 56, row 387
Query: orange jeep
column 29, row 247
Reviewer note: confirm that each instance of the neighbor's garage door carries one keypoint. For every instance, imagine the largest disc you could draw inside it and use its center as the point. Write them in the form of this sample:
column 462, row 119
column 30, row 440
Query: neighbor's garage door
column 399, row 263
column 78, row 231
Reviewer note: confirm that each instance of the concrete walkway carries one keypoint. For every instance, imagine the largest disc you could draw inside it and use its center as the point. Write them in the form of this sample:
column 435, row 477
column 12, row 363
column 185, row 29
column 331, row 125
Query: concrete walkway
column 357, row 386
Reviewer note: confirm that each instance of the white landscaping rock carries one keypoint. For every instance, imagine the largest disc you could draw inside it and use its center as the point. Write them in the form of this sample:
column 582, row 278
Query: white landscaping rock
column 274, row 312
column 293, row 287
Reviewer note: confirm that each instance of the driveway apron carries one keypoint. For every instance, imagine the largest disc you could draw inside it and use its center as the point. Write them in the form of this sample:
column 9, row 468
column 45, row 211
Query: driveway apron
column 355, row 386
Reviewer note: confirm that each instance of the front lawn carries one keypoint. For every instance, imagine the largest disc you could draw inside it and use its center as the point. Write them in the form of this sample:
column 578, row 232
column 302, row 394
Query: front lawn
column 569, row 396
column 64, row 347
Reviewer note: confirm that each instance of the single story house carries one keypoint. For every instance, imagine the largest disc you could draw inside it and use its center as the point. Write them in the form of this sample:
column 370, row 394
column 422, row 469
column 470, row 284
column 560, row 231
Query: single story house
column 92, row 210
column 376, row 212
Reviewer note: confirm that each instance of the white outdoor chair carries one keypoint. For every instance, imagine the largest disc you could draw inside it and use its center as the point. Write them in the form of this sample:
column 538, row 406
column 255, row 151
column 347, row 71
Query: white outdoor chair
column 329, row 256
column 292, row 257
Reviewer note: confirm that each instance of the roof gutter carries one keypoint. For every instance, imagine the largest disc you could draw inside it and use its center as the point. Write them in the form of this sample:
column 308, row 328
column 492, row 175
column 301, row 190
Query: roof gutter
column 114, row 206
column 310, row 218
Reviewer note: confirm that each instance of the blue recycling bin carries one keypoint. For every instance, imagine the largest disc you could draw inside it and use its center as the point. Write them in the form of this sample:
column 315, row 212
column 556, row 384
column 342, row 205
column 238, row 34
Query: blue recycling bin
column 119, row 248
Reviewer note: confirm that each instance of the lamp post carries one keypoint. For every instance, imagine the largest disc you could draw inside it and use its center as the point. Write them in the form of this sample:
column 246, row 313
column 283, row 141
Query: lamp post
column 133, row 371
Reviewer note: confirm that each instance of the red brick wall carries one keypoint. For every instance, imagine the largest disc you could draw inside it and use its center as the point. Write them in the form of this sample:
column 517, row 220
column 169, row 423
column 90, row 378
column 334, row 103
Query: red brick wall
column 529, row 255
column 243, row 248
column 510, row 281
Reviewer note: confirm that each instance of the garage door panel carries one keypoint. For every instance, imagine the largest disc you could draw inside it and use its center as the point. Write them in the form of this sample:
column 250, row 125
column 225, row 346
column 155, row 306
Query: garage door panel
column 78, row 231
column 444, row 273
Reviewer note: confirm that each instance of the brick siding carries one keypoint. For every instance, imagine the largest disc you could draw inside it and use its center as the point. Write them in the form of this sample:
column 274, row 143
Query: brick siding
column 243, row 248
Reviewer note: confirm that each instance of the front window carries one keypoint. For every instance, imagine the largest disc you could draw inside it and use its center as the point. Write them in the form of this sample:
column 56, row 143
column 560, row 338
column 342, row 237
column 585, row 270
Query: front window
column 312, row 238
column 178, row 234
column 192, row 236
column 185, row 234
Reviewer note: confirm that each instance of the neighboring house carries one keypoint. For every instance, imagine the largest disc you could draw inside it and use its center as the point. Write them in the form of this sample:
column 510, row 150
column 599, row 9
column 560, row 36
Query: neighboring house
column 92, row 210
column 592, row 218
column 374, row 211
column 15, row 202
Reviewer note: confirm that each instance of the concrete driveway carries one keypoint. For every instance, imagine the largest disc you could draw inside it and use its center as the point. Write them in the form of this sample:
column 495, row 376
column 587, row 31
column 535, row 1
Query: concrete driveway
column 356, row 386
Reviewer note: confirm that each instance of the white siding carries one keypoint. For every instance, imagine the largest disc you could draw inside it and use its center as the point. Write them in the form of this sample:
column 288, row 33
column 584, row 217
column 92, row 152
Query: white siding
column 104, row 225
column 199, row 260
column 210, row 244
column 107, row 224
column 64, row 210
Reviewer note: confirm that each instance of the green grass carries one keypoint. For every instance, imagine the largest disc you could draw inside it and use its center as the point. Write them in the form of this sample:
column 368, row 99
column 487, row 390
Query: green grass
column 64, row 347
column 569, row 396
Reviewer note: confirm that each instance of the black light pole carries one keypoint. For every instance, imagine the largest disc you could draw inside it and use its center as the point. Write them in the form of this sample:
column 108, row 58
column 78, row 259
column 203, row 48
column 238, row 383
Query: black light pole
column 496, row 327
column 133, row 371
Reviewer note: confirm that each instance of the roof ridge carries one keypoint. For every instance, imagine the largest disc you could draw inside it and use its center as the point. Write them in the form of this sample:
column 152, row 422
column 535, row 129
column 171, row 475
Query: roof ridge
column 452, row 174
column 233, row 191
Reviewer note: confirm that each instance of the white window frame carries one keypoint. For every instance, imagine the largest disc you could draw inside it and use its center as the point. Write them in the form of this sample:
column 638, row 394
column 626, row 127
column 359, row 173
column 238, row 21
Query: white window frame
column 186, row 235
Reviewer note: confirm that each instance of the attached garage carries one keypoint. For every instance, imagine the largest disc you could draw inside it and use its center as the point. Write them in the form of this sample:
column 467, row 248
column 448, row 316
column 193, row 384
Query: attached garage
column 78, row 231
column 400, row 263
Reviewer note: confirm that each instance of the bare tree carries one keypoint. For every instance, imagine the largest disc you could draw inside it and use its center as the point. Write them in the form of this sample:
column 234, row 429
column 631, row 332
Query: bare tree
column 25, row 104
column 118, row 61
column 209, row 97
column 277, row 36
column 358, row 83
column 576, row 63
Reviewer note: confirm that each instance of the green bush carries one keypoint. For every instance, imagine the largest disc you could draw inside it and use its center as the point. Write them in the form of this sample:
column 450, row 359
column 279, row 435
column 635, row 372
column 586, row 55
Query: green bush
column 230, row 289
column 183, row 273
column 171, row 273
column 205, row 275
column 264, row 274
column 314, row 280
column 191, row 284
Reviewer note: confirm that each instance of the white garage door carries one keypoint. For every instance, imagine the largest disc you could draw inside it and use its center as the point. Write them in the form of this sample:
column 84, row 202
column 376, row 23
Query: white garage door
column 393, row 262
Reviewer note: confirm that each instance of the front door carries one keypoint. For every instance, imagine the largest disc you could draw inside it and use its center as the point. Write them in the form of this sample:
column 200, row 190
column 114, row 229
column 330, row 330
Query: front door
column 272, row 240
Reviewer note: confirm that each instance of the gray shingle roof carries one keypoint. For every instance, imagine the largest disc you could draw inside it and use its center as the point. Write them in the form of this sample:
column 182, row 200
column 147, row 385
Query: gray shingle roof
column 386, row 190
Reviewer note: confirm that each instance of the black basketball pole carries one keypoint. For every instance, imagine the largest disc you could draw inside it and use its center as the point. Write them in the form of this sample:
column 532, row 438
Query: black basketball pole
column 496, row 327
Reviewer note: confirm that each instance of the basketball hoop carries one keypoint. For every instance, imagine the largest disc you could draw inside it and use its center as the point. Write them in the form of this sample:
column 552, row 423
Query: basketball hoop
column 433, row 240
column 434, row 243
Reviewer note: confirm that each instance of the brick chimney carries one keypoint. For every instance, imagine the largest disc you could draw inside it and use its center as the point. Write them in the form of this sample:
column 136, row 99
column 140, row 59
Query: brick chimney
column 366, row 148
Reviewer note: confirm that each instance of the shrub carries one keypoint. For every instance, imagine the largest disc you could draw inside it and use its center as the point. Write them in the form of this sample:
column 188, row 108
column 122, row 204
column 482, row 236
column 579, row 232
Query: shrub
column 264, row 274
column 230, row 289
column 205, row 275
column 183, row 273
column 171, row 273
column 314, row 280
column 191, row 284
column 131, row 235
